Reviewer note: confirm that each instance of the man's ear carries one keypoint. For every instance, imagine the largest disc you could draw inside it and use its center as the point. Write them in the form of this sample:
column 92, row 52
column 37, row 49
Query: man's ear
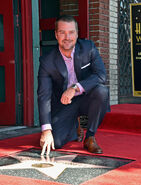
column 56, row 35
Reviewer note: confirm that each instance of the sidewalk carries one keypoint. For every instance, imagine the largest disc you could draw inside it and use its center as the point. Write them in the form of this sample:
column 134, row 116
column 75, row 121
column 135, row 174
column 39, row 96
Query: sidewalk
column 15, row 131
column 21, row 162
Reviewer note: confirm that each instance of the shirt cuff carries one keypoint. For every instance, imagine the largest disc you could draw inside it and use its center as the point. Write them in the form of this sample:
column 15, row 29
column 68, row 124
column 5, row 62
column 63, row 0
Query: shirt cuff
column 80, row 88
column 46, row 127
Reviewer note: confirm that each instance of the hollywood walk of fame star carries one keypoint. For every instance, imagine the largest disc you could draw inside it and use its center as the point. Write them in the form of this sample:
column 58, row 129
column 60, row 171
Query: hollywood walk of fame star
column 52, row 167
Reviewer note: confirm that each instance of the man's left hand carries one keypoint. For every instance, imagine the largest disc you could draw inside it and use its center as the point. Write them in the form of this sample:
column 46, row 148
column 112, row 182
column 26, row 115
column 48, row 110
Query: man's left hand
column 67, row 96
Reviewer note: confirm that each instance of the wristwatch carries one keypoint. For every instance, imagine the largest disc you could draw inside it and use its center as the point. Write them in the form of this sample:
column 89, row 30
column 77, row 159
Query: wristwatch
column 74, row 86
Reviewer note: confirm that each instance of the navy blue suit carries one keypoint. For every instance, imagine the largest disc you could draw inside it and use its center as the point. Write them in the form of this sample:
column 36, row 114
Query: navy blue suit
column 52, row 82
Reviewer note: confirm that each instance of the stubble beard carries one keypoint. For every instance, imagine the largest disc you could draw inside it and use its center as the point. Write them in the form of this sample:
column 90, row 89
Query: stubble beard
column 67, row 48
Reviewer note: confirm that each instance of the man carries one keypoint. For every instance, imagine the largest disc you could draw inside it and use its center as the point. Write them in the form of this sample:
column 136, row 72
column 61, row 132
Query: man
column 71, row 82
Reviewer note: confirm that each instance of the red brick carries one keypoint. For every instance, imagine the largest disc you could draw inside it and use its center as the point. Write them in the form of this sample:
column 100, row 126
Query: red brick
column 104, row 45
column 104, row 50
column 104, row 56
column 100, row 11
column 99, row 16
column 99, row 33
column 97, row 21
column 99, row 5
column 99, row 27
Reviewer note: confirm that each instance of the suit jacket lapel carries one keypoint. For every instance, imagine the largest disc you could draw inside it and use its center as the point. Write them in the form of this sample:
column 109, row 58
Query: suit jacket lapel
column 60, row 63
column 61, row 67
column 77, row 62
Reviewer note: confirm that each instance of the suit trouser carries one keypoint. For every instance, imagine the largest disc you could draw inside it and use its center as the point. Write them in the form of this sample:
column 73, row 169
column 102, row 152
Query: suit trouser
column 65, row 117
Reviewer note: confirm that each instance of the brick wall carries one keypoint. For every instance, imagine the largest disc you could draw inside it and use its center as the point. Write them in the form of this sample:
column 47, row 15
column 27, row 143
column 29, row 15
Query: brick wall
column 69, row 7
column 99, row 28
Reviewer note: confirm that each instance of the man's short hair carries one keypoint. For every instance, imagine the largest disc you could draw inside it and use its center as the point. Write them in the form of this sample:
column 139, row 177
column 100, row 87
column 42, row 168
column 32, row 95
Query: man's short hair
column 66, row 18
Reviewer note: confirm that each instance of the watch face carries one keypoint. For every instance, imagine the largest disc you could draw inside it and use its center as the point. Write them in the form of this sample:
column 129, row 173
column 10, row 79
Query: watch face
column 74, row 86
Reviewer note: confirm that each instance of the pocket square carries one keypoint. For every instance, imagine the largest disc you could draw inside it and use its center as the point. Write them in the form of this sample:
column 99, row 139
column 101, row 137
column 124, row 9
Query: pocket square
column 85, row 66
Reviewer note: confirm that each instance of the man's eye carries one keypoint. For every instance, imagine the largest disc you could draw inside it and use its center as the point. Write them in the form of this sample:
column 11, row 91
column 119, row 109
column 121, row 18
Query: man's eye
column 61, row 33
column 72, row 32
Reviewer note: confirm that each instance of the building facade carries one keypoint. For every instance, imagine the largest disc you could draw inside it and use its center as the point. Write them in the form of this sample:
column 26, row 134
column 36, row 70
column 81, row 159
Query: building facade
column 27, row 31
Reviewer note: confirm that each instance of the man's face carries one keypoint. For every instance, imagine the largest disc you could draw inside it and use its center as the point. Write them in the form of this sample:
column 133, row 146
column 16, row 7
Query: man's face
column 66, row 35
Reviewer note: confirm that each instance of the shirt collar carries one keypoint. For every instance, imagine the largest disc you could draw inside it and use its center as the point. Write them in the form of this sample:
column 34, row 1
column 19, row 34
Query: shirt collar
column 66, row 58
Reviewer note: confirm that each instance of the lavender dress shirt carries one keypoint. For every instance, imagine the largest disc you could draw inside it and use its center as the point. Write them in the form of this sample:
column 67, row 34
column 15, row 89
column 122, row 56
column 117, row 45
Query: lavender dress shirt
column 71, row 80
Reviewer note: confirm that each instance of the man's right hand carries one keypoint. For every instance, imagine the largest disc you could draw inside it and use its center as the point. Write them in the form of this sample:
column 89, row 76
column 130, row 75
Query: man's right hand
column 46, row 141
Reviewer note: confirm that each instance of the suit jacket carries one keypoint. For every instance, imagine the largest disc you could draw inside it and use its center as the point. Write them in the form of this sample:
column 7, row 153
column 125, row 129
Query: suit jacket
column 53, row 75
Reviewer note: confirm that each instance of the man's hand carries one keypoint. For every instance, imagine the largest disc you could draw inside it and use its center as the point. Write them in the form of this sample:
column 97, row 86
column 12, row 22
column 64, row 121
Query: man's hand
column 67, row 96
column 46, row 141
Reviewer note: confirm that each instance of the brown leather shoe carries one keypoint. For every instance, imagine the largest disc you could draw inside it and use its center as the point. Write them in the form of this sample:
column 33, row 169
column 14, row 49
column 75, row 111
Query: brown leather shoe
column 91, row 145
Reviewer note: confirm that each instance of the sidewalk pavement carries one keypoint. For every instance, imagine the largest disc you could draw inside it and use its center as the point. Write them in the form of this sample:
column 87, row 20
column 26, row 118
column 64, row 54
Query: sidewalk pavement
column 15, row 131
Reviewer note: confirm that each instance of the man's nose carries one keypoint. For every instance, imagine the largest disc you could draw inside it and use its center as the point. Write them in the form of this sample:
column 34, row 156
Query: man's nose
column 67, row 36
